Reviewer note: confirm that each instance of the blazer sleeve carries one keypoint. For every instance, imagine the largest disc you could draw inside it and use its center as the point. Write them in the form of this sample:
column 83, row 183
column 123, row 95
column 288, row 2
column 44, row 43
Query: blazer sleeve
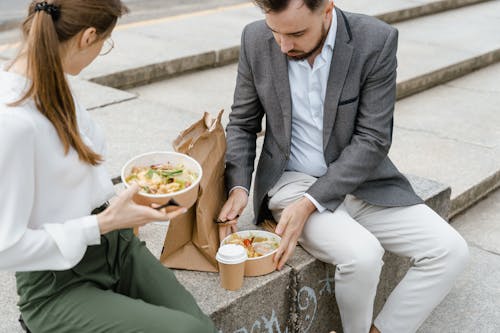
column 54, row 246
column 245, row 121
column 372, row 135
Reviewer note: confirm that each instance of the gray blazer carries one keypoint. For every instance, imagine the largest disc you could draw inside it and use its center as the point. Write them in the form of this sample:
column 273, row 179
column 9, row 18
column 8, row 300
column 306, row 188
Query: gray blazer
column 358, row 116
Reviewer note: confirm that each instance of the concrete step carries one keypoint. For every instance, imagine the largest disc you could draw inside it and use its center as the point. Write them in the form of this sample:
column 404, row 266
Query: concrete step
column 14, row 13
column 452, row 131
column 451, row 134
column 436, row 49
column 428, row 53
column 176, row 45
column 298, row 298
column 94, row 96
column 473, row 304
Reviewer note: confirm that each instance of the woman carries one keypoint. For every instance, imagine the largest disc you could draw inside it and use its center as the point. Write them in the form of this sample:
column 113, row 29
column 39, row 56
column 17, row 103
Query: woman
column 77, row 271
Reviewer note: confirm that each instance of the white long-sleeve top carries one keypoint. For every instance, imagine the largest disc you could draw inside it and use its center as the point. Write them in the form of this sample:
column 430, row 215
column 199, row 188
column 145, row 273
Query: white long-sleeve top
column 46, row 196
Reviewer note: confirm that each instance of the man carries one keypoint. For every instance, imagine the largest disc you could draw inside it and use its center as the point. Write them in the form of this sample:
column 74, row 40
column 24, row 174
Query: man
column 326, row 82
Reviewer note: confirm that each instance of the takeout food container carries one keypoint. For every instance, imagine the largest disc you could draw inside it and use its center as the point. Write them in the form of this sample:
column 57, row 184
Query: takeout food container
column 261, row 265
column 185, row 198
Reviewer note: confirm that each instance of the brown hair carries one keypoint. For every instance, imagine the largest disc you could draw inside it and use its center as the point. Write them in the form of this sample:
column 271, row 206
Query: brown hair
column 43, row 34
column 277, row 6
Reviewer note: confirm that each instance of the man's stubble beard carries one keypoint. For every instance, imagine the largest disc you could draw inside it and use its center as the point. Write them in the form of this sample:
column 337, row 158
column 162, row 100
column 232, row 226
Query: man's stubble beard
column 318, row 46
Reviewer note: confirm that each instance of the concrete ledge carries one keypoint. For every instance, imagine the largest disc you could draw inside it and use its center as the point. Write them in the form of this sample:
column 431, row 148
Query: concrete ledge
column 147, row 74
column 161, row 66
column 475, row 194
column 301, row 297
column 10, row 24
column 94, row 96
column 424, row 10
column 443, row 75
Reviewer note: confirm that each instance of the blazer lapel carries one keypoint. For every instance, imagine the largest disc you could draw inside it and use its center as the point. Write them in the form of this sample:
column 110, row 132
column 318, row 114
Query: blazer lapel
column 282, row 86
column 342, row 54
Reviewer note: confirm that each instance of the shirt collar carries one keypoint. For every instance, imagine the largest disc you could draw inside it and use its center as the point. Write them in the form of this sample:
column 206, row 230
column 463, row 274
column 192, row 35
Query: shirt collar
column 332, row 33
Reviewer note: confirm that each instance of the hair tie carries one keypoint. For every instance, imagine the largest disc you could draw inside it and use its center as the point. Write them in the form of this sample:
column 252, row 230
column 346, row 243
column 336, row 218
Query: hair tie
column 50, row 9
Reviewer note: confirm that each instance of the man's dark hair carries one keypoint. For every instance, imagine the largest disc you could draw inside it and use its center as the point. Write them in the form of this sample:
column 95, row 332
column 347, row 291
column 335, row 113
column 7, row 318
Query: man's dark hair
column 277, row 6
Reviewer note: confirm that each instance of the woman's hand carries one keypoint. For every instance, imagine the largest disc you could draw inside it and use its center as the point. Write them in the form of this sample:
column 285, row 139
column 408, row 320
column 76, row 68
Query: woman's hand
column 124, row 213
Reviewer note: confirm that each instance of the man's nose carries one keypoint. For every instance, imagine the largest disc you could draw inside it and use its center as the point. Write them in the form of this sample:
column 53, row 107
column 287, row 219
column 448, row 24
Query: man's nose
column 286, row 44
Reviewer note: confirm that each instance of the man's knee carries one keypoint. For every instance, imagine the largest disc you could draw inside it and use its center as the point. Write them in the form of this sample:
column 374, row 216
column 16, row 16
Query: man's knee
column 364, row 261
column 457, row 253
column 450, row 253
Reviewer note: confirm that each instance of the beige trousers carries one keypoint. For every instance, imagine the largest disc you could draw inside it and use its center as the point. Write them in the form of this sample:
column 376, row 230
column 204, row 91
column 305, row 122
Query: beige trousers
column 354, row 238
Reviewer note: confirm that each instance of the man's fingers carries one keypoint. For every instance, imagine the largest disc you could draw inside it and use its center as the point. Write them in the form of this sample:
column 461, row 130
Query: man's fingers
column 231, row 222
column 279, row 253
column 234, row 213
column 227, row 228
column 225, row 210
column 286, row 255
column 222, row 233
column 281, row 227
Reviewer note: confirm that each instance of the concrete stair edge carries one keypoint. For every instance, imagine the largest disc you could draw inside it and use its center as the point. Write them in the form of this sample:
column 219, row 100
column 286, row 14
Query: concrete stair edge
column 155, row 72
column 299, row 287
column 425, row 10
column 474, row 194
column 143, row 75
column 424, row 82
column 151, row 73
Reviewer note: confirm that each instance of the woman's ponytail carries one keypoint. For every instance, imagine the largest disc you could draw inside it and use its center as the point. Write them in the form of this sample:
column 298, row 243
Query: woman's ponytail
column 45, row 29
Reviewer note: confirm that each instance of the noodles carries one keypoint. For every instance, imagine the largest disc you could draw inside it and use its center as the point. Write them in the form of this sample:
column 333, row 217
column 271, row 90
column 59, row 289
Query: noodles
column 161, row 178
column 256, row 246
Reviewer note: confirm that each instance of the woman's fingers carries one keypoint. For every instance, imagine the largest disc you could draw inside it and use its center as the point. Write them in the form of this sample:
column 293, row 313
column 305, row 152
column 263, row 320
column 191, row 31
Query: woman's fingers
column 131, row 191
column 173, row 212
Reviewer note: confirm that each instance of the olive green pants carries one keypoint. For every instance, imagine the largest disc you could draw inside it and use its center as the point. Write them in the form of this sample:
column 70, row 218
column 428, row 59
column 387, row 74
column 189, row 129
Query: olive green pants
column 119, row 286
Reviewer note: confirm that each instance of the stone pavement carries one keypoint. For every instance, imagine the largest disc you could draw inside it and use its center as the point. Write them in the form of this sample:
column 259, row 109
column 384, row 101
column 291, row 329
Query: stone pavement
column 473, row 304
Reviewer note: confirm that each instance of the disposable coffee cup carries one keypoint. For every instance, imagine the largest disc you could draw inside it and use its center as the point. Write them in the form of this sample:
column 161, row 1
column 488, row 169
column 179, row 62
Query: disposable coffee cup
column 231, row 260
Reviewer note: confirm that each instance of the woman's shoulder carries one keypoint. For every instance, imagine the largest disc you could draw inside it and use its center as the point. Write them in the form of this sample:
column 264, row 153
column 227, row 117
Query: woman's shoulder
column 16, row 122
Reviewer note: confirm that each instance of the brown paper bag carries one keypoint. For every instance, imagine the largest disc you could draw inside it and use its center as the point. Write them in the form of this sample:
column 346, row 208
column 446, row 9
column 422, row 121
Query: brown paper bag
column 192, row 239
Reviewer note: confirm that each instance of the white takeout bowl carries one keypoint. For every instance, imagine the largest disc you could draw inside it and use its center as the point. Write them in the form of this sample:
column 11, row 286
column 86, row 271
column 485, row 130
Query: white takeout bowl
column 261, row 265
column 186, row 197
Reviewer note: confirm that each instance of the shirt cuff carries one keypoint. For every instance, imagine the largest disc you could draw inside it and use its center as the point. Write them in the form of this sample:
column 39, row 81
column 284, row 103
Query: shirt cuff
column 243, row 188
column 320, row 208
column 91, row 231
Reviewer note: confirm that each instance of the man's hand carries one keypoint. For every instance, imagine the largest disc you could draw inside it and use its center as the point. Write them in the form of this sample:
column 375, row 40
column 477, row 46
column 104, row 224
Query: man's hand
column 232, row 209
column 290, row 226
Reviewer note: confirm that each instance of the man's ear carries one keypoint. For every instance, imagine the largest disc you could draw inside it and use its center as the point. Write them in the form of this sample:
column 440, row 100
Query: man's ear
column 329, row 7
column 87, row 38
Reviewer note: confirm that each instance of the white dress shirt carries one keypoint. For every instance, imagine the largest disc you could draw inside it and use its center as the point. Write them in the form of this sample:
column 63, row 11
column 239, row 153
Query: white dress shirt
column 46, row 196
column 308, row 90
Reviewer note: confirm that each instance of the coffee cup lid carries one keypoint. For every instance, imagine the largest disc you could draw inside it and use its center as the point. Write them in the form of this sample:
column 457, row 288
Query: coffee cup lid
column 231, row 254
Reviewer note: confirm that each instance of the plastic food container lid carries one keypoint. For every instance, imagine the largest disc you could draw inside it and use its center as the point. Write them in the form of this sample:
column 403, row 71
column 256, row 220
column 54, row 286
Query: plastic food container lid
column 231, row 254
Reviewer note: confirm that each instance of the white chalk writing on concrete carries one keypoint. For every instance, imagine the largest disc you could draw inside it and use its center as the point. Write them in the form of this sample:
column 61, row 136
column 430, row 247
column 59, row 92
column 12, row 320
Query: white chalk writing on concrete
column 307, row 304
